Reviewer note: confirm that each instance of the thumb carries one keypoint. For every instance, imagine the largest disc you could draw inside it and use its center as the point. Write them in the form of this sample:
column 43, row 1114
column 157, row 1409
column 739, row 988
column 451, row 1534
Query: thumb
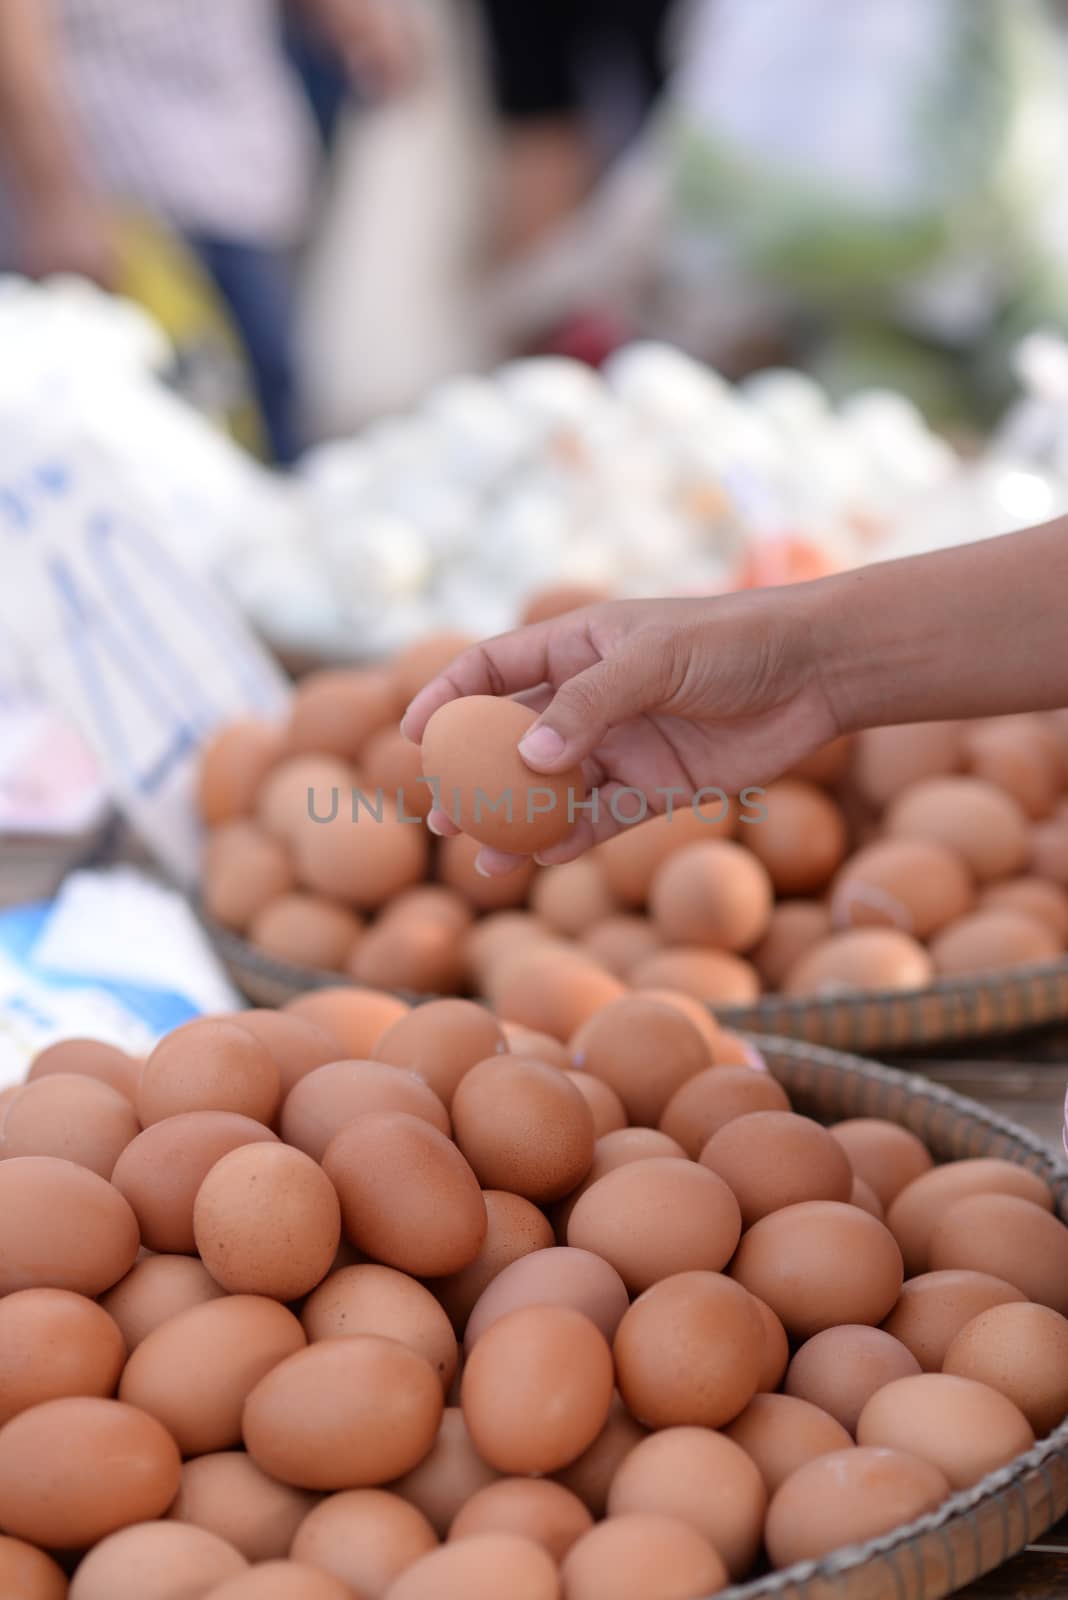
column 584, row 708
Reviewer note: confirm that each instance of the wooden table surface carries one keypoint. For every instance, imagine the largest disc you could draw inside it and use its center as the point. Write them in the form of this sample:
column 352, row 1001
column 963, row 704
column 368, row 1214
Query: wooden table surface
column 1032, row 1094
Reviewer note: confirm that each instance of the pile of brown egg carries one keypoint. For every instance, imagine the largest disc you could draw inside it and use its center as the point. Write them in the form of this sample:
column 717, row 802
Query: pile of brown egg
column 354, row 1301
column 903, row 855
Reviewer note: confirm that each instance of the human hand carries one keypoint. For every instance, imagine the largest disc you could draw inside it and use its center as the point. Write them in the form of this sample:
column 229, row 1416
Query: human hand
column 68, row 233
column 378, row 41
column 659, row 696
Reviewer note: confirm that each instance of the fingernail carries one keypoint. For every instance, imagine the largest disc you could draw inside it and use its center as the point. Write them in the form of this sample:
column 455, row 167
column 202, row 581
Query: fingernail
column 479, row 868
column 541, row 746
column 403, row 726
column 435, row 830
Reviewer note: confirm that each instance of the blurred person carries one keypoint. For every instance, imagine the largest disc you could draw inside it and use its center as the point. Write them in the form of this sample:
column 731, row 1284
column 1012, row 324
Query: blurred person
column 189, row 112
column 554, row 64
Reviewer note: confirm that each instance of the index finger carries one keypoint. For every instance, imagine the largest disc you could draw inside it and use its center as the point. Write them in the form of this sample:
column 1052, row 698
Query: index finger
column 507, row 664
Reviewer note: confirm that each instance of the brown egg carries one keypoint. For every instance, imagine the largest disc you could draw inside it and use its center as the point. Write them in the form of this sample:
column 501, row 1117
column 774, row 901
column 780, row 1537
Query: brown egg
column 456, row 867
column 429, row 902
column 76, row 1118
column 156, row 1561
column 469, row 750
column 1021, row 1351
column 715, row 1098
column 573, row 897
column 1049, row 851
column 841, row 1368
column 356, row 1017
column 233, row 764
column 616, row 1148
column 539, row 1046
column 558, row 599
column 644, row 1050
column 195, row 1370
column 280, row 1580
column 209, row 1065
column 992, row 941
column 90, row 1058
column 703, row 1478
column 297, row 1045
column 266, row 1220
column 523, row 1127
column 652, row 1219
column 864, row 1196
column 1009, row 1238
column 329, row 1098
column 303, row 786
column 1018, row 757
column 713, row 893
column 28, row 1573
column 641, row 1557
column 374, row 1299
column 365, row 1538
column 307, row 930
column 514, row 1229
column 227, row 1494
column 551, row 990
column 564, row 1276
column 848, row 1498
column 963, row 1428
column 772, row 1159
column 608, row 1111
column 441, row 1041
column 74, row 1470
column 690, row 1352
column 935, row 1306
column 161, row 1170
column 335, row 711
column 155, row 1289
column 801, row 839
column 819, row 1264
column 780, row 1433
column 391, row 766
column 492, row 938
column 620, row 941
column 424, row 957
column 776, row 1353
column 481, row 1568
column 983, row 824
column 887, row 761
column 922, row 1203
column 828, row 764
column 916, row 885
column 591, row 1476
column 243, row 869
column 713, row 976
column 364, row 859
column 408, row 1197
column 344, row 1414
column 62, row 1227
column 536, row 1389
column 536, row 1509
column 864, row 959
column 1037, row 897
column 630, row 860
column 884, row 1155
column 414, row 666
column 55, row 1343
column 793, row 928
column 448, row 1477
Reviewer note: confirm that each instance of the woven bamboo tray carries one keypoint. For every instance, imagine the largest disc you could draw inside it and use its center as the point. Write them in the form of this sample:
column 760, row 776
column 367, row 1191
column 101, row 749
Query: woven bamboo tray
column 983, row 1527
column 952, row 1011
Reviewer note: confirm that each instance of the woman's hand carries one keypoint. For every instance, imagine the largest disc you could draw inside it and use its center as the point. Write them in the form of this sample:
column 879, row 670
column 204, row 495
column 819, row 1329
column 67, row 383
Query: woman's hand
column 667, row 697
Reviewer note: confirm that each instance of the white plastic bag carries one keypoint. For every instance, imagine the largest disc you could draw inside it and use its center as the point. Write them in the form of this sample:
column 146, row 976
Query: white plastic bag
column 388, row 302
